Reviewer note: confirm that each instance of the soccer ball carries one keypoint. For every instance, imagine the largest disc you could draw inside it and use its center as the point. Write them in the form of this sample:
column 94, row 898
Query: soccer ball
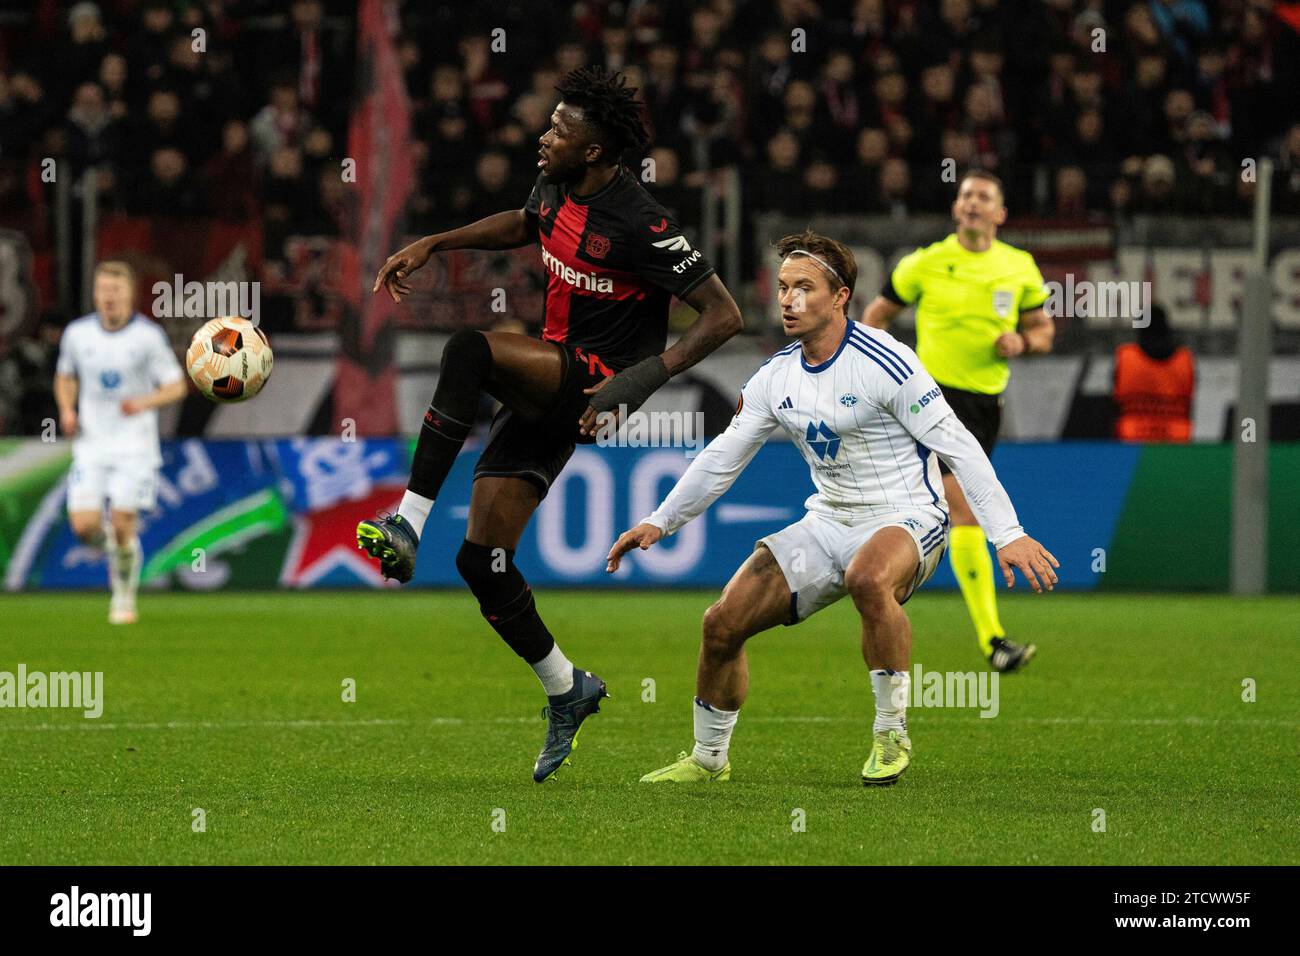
column 229, row 359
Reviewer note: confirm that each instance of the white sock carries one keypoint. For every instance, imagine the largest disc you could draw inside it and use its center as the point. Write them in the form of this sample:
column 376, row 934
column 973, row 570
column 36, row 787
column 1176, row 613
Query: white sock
column 124, row 569
column 414, row 510
column 892, row 689
column 713, row 729
column 555, row 671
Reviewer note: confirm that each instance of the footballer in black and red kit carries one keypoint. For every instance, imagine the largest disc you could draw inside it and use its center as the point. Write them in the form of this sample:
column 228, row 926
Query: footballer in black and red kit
column 614, row 260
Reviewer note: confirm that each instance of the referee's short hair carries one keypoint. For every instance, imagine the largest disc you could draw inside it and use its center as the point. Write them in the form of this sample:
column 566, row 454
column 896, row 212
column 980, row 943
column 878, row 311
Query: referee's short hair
column 834, row 254
column 987, row 176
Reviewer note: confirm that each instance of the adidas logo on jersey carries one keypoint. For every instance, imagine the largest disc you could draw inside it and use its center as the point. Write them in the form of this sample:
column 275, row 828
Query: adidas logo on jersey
column 787, row 403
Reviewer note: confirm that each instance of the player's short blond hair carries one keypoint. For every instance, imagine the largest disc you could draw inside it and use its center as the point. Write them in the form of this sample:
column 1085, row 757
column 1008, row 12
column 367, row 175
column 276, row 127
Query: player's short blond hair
column 117, row 268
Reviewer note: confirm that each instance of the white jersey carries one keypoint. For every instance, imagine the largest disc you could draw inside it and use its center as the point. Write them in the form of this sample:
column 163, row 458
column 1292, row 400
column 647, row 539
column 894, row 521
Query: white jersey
column 111, row 366
column 868, row 421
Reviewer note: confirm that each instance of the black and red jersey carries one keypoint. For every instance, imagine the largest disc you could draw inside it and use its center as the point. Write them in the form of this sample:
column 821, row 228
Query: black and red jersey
column 614, row 259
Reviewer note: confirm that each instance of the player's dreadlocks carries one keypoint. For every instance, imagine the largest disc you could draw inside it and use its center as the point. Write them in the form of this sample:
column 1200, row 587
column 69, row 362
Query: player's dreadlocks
column 610, row 107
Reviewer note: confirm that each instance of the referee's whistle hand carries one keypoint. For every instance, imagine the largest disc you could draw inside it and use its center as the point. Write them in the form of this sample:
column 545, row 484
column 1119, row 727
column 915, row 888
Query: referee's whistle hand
column 1010, row 344
column 642, row 536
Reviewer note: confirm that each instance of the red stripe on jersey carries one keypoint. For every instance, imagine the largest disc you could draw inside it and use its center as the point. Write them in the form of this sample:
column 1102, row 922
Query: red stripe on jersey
column 562, row 243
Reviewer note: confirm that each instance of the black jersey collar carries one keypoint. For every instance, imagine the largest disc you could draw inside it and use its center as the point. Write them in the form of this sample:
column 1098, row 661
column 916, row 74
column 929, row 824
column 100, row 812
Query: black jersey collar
column 587, row 200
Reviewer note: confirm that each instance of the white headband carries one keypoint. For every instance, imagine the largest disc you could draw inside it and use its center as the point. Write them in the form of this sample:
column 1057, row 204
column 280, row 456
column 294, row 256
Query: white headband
column 817, row 259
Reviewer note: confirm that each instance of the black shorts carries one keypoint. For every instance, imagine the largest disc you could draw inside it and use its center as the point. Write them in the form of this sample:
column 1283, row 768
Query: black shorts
column 537, row 448
column 980, row 413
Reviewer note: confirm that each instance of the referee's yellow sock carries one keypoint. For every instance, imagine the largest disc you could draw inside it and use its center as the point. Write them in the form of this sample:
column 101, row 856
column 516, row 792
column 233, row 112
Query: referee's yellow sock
column 969, row 553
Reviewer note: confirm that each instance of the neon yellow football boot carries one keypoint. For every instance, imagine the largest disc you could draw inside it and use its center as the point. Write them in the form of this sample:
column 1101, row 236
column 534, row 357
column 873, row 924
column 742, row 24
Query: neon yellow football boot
column 891, row 752
column 688, row 770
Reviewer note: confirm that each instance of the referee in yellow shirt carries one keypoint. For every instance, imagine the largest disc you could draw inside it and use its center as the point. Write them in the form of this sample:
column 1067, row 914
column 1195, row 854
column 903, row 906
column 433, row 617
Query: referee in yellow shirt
column 979, row 302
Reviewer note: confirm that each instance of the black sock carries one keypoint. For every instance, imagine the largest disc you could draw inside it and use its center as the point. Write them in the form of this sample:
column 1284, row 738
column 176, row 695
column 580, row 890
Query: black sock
column 505, row 599
column 466, row 361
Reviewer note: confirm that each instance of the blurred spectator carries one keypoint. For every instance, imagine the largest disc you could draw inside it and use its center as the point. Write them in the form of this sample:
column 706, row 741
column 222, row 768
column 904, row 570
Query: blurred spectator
column 665, row 97
column 78, row 56
column 1071, row 193
column 777, row 184
column 485, row 89
column 279, row 125
column 1286, row 187
column 1142, row 104
column 493, row 189
column 113, row 77
column 23, row 113
column 895, row 188
column 994, row 142
column 1158, row 179
column 164, row 125
column 168, row 189
column 149, row 45
column 92, row 134
column 315, row 60
column 838, row 89
column 937, row 111
column 229, row 177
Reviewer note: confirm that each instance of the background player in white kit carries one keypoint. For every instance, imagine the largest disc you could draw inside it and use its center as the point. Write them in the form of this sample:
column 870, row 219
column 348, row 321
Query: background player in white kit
column 115, row 369
column 866, row 416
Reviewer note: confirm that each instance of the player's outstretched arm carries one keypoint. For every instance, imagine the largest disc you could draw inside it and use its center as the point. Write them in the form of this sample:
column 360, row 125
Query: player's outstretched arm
column 954, row 443
column 719, row 320
column 504, row 230
column 642, row 536
column 713, row 471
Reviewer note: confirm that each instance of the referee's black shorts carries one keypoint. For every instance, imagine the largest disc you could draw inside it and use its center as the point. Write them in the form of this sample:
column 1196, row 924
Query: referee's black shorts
column 980, row 413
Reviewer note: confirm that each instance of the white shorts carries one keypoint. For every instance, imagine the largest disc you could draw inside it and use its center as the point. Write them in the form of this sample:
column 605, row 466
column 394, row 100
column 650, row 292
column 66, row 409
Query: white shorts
column 127, row 486
column 814, row 552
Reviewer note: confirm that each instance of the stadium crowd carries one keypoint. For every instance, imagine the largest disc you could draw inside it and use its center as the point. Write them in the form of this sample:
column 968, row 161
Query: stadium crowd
column 1089, row 109
column 1120, row 106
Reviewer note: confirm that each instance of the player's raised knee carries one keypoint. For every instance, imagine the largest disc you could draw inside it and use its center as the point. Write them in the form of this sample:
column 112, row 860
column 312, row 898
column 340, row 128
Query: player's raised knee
column 467, row 347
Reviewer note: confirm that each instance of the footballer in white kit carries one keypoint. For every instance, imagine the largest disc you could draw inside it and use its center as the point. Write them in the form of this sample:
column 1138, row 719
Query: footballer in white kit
column 869, row 420
column 115, row 369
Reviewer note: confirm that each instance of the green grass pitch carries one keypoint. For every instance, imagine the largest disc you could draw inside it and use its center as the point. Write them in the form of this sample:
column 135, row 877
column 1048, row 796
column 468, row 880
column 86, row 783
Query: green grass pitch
column 233, row 703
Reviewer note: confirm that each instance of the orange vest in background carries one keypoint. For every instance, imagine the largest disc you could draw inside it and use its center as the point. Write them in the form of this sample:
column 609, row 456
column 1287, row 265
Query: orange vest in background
column 1154, row 397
